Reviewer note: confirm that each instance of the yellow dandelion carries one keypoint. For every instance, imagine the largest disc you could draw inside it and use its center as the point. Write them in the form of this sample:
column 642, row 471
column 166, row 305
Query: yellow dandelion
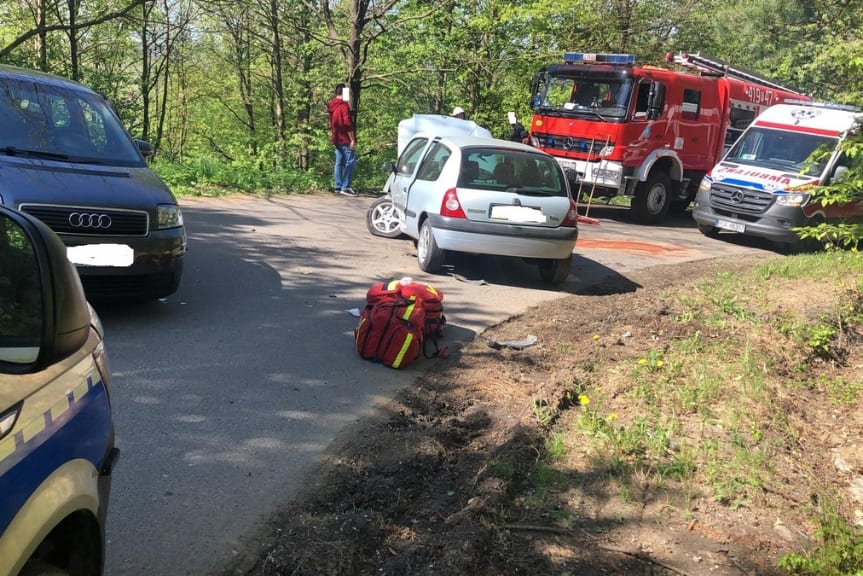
column 660, row 363
column 642, row 361
column 596, row 336
column 583, row 400
column 612, row 417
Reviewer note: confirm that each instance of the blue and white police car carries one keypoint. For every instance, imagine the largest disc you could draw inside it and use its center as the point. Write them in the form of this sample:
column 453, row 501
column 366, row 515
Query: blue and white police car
column 56, row 427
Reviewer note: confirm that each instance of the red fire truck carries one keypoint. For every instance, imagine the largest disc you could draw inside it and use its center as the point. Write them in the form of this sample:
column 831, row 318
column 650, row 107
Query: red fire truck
column 644, row 132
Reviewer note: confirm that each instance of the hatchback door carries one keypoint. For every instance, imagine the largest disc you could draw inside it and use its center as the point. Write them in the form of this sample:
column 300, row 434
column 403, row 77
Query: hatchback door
column 512, row 186
column 405, row 171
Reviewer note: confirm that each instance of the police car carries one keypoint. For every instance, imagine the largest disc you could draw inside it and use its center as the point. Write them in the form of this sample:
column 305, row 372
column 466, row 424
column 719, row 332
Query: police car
column 56, row 427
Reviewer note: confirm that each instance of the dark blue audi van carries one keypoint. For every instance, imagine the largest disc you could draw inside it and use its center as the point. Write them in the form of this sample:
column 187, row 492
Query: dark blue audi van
column 66, row 159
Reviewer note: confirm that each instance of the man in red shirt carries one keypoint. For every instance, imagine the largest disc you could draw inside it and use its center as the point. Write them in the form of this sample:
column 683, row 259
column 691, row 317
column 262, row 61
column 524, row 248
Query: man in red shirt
column 343, row 138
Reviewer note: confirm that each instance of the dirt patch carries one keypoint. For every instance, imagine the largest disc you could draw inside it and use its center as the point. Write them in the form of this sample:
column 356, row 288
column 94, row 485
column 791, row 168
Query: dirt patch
column 443, row 480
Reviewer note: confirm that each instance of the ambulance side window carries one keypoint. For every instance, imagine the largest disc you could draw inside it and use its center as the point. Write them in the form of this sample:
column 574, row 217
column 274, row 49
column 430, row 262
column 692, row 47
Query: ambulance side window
column 20, row 296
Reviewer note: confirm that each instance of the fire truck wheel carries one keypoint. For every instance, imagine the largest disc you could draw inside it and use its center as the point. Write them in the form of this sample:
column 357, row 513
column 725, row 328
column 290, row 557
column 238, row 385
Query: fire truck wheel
column 652, row 199
column 555, row 271
column 429, row 256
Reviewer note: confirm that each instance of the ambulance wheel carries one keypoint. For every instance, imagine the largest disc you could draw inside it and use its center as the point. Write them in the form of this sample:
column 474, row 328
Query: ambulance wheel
column 652, row 199
column 708, row 230
column 429, row 256
column 383, row 218
column 555, row 271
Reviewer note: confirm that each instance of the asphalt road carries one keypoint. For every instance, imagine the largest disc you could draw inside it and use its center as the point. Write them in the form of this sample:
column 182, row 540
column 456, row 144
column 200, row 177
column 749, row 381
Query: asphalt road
column 226, row 392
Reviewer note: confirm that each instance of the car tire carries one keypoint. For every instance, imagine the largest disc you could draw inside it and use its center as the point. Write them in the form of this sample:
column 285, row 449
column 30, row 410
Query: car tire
column 652, row 199
column 429, row 256
column 708, row 230
column 36, row 567
column 555, row 271
column 384, row 219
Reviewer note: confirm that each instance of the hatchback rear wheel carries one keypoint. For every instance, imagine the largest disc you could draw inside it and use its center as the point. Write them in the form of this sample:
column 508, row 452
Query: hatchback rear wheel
column 430, row 257
column 555, row 271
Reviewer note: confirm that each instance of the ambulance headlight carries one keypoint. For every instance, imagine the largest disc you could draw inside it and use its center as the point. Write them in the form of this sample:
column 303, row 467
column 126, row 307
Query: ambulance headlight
column 795, row 199
column 704, row 186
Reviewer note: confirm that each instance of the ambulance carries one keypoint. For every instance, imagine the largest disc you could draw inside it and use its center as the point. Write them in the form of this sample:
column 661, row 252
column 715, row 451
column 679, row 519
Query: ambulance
column 763, row 185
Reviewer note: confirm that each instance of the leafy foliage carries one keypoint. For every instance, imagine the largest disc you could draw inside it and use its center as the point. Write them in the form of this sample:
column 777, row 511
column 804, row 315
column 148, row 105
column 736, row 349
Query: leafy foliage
column 199, row 78
column 848, row 188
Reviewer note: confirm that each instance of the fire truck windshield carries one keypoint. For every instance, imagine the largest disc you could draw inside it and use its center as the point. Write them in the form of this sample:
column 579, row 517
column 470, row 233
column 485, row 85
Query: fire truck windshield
column 605, row 97
column 805, row 154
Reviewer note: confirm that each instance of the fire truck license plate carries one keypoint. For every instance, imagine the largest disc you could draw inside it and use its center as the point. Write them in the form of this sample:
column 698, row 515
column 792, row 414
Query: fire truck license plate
column 733, row 226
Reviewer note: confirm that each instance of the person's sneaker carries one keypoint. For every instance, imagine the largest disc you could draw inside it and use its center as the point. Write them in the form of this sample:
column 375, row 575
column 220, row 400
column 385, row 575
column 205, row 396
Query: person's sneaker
column 347, row 192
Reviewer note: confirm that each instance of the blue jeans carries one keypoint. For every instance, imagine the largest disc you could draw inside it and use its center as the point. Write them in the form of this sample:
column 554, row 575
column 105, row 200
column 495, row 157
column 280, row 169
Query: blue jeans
column 345, row 160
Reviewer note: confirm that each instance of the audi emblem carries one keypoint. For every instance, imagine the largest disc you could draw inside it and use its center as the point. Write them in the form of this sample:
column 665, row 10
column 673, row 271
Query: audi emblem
column 89, row 220
column 737, row 197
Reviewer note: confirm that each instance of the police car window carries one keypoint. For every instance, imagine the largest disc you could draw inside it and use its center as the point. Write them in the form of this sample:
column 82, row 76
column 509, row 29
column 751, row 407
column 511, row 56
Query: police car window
column 409, row 158
column 20, row 296
column 434, row 162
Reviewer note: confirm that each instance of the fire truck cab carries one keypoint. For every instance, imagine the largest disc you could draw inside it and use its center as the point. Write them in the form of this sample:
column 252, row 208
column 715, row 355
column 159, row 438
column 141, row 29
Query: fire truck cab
column 644, row 132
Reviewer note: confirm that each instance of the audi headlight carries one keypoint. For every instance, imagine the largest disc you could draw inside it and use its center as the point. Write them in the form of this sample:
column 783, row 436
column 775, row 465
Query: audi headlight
column 795, row 199
column 170, row 216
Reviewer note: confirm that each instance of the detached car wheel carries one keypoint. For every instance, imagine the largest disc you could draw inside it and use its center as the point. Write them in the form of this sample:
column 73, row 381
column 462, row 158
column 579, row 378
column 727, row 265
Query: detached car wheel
column 429, row 256
column 555, row 272
column 383, row 218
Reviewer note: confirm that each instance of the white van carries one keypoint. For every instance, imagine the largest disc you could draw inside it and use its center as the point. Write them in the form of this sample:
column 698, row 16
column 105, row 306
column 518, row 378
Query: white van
column 762, row 185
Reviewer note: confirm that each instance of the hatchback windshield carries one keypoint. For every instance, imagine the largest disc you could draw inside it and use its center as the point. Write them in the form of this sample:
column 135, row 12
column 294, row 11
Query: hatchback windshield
column 780, row 150
column 497, row 169
column 54, row 123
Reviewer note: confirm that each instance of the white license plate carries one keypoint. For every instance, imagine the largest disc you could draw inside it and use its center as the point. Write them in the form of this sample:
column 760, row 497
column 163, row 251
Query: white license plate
column 567, row 164
column 733, row 226
column 517, row 214
column 112, row 255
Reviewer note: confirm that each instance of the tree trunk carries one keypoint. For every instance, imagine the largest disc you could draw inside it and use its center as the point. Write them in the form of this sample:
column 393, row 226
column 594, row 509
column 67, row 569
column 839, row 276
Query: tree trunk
column 146, row 8
column 278, row 84
column 73, row 39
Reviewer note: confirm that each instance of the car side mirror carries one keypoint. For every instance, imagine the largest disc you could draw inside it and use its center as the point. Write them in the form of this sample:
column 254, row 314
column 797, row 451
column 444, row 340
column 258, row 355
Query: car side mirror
column 44, row 315
column 146, row 149
column 388, row 167
column 655, row 100
column 840, row 173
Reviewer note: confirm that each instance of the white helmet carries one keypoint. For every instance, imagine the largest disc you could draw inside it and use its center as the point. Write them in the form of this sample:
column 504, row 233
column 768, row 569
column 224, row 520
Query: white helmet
column 457, row 110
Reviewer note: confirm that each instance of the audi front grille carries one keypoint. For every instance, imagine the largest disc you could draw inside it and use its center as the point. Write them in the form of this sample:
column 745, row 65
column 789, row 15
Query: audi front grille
column 739, row 200
column 90, row 221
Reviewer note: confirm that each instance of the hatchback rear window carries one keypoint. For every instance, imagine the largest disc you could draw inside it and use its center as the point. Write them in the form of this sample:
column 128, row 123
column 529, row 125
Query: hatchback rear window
column 520, row 171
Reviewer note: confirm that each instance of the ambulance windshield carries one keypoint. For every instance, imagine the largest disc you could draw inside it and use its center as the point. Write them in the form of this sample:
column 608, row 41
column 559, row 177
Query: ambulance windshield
column 797, row 152
column 605, row 97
